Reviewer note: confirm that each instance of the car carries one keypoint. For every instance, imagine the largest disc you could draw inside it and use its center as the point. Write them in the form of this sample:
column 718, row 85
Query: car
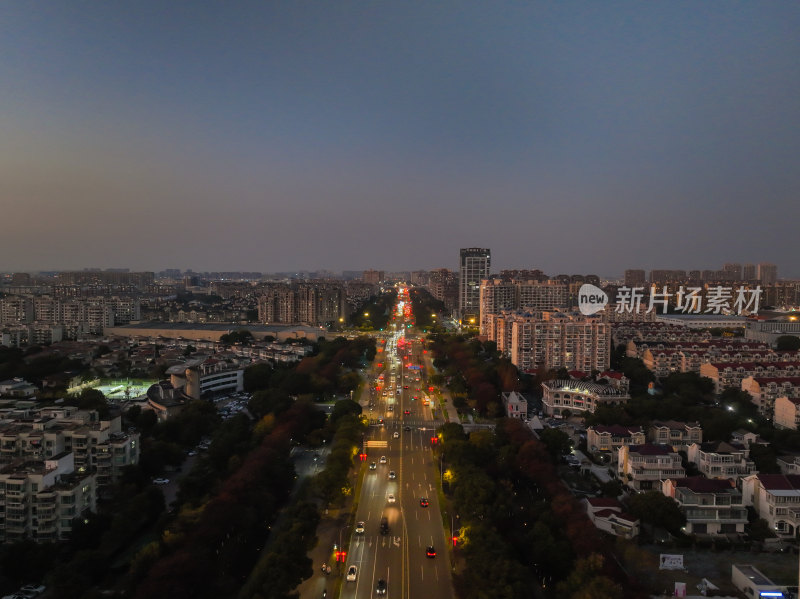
column 423, row 501
column 192, row 453
column 395, row 435
column 405, row 386
column 383, row 459
column 391, row 498
column 384, row 525
column 406, row 428
column 407, row 412
column 430, row 551
column 372, row 465
column 392, row 475
column 380, row 588
column 380, row 421
column 352, row 572
column 359, row 528
column 161, row 481
column 34, row 588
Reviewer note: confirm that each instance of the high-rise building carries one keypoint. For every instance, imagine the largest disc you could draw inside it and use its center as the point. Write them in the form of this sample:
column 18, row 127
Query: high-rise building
column 373, row 276
column 733, row 272
column 474, row 266
column 767, row 273
column 496, row 295
column 554, row 340
column 443, row 285
column 749, row 272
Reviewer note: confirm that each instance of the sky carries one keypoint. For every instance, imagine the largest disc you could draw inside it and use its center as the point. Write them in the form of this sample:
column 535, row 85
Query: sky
column 574, row 137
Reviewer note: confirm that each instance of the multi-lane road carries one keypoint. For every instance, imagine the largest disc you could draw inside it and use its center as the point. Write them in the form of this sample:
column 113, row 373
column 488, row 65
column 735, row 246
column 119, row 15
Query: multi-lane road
column 399, row 557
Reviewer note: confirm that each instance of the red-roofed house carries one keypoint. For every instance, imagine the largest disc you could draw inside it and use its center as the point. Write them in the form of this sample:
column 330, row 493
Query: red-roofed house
column 776, row 499
column 678, row 434
column 607, row 515
column 606, row 440
column 643, row 467
column 712, row 507
column 720, row 459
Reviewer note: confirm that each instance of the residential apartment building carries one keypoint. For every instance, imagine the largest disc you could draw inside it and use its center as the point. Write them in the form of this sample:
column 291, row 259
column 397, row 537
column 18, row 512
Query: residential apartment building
column 373, row 276
column 96, row 445
column 443, row 285
column 680, row 435
column 474, row 266
column 731, row 374
column 498, row 295
column 635, row 278
column 554, row 340
column 39, row 499
column 719, row 459
column 767, row 273
column 776, row 499
column 765, row 390
column 308, row 302
column 711, row 507
column 644, row 467
column 578, row 397
column 787, row 412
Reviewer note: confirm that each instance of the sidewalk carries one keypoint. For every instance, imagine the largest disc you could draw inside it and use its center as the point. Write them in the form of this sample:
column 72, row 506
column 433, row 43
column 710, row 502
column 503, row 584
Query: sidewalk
column 327, row 535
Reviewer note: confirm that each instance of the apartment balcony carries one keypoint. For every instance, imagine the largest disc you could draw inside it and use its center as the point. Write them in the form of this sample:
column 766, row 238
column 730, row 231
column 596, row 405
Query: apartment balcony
column 727, row 517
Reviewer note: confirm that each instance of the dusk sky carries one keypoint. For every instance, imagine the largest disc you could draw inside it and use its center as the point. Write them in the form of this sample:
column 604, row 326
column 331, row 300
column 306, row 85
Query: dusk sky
column 574, row 137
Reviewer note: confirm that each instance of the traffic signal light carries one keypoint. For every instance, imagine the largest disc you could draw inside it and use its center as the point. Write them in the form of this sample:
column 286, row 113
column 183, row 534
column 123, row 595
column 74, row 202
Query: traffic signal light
column 455, row 540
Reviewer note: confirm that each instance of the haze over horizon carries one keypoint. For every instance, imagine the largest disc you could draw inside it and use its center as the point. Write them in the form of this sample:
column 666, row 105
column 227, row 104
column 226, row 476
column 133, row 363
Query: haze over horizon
column 570, row 137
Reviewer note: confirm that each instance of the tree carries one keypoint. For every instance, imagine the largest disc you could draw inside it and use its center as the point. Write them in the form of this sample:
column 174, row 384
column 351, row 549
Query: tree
column 657, row 509
column 557, row 441
column 787, row 343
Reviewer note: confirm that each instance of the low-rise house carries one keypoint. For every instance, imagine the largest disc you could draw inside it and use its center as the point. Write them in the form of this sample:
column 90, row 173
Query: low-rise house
column 789, row 464
column 677, row 434
column 713, row 507
column 643, row 467
column 723, row 460
column 607, row 515
column 776, row 499
column 605, row 441
column 515, row 405
column 578, row 397
column 17, row 388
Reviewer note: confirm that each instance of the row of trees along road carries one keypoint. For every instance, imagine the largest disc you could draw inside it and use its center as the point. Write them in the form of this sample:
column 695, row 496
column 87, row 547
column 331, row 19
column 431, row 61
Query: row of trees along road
column 521, row 534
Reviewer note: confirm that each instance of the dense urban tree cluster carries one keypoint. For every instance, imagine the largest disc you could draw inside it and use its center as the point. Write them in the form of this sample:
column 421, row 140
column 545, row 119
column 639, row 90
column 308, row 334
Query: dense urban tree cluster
column 473, row 371
column 520, row 532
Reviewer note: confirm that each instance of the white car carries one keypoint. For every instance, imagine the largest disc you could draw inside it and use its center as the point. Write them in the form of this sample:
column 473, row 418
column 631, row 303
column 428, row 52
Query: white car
column 391, row 498
column 396, row 435
column 383, row 459
column 392, row 475
column 360, row 528
column 352, row 572
column 161, row 481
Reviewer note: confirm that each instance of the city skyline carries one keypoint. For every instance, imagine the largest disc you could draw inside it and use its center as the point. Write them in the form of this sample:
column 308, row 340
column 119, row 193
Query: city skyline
column 260, row 137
